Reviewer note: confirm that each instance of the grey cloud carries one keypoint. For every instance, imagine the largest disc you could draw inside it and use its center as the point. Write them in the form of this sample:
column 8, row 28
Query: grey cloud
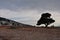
column 28, row 11
column 36, row 4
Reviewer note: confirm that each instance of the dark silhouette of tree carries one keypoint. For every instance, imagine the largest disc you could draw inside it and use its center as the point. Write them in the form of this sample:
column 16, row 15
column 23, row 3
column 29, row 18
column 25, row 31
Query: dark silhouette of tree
column 45, row 19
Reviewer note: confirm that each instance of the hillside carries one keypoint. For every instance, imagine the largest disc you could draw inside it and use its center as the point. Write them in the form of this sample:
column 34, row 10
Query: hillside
column 9, row 22
column 12, row 30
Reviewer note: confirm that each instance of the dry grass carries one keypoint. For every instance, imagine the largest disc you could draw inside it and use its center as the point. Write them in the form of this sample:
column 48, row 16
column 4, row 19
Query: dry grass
column 29, row 33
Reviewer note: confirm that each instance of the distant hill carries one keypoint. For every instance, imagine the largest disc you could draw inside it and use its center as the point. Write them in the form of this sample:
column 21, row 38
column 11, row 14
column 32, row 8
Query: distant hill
column 8, row 22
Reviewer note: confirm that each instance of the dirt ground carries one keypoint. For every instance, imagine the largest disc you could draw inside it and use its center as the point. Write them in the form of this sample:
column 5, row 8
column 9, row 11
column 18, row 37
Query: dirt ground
column 30, row 33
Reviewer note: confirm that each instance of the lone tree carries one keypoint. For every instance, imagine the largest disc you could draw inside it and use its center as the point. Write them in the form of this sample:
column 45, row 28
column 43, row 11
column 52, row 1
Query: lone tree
column 45, row 19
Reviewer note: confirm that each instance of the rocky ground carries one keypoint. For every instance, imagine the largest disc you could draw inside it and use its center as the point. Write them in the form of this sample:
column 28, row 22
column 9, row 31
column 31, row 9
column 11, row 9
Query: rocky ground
column 30, row 33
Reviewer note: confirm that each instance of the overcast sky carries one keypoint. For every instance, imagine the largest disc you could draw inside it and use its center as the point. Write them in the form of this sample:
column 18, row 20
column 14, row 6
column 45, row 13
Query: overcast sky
column 29, row 11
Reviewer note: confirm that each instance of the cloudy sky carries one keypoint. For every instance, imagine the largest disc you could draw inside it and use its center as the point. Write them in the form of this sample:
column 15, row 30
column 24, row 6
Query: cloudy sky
column 29, row 11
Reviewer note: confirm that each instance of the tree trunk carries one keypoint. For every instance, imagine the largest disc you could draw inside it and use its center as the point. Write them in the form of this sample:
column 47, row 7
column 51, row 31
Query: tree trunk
column 46, row 25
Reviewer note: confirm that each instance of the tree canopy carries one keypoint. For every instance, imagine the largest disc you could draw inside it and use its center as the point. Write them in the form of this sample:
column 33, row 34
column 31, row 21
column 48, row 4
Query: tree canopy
column 45, row 19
